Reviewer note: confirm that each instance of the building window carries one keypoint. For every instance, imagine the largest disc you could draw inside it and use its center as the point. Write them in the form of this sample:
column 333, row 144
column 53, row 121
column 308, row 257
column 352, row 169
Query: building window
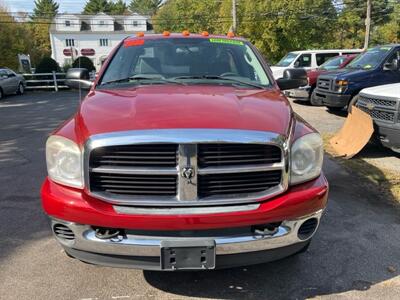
column 70, row 42
column 102, row 23
column 104, row 42
column 135, row 23
column 67, row 23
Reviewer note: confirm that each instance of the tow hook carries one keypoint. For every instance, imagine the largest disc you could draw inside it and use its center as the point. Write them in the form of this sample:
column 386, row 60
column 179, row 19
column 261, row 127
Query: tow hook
column 108, row 233
column 268, row 229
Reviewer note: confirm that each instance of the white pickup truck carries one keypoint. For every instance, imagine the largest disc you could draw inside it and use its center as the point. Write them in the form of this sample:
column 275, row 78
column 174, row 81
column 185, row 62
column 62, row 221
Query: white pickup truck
column 382, row 103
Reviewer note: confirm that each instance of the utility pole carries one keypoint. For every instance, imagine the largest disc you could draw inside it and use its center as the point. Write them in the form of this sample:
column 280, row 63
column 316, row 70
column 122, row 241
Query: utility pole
column 367, row 24
column 234, row 18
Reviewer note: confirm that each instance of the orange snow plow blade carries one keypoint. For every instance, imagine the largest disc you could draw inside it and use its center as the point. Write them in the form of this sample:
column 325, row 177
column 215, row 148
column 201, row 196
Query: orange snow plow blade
column 354, row 135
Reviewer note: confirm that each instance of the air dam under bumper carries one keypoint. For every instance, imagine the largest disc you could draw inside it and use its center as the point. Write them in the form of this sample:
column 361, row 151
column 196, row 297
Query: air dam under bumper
column 332, row 100
column 144, row 251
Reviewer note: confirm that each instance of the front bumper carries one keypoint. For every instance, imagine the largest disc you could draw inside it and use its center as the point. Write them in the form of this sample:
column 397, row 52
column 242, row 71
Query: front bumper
column 331, row 99
column 141, row 250
column 302, row 93
column 388, row 134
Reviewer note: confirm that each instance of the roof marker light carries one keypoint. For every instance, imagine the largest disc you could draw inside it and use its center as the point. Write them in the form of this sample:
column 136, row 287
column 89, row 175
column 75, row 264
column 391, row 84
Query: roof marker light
column 166, row 33
column 205, row 33
column 140, row 34
column 185, row 33
column 230, row 34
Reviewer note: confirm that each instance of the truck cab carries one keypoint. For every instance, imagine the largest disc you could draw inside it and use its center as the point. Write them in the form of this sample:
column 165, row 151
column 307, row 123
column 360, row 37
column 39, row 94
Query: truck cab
column 377, row 66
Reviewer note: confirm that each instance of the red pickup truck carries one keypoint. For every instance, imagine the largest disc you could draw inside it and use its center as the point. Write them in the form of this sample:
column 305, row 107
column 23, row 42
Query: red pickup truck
column 184, row 155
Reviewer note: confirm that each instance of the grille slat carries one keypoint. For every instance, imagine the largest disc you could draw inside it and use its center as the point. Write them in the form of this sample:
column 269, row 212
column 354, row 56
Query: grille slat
column 378, row 114
column 222, row 184
column 237, row 154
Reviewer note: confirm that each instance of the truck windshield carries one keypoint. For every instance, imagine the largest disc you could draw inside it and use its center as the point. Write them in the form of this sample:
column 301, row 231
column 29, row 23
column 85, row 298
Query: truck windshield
column 287, row 59
column 333, row 63
column 370, row 59
column 185, row 61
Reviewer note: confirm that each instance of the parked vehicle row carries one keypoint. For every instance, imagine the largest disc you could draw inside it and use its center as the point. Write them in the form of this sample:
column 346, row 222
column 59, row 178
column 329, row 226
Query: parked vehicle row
column 11, row 83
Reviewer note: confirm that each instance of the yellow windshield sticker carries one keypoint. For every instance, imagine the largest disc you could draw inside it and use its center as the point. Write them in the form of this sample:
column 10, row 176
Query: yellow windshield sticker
column 226, row 41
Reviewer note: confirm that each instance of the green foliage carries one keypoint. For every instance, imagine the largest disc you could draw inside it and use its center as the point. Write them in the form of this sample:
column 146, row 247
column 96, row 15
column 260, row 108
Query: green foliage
column 45, row 8
column 145, row 7
column 47, row 65
column 118, row 8
column 83, row 62
column 97, row 6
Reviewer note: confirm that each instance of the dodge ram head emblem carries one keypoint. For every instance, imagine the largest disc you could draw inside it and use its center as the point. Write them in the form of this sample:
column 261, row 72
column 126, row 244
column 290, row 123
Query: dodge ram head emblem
column 187, row 172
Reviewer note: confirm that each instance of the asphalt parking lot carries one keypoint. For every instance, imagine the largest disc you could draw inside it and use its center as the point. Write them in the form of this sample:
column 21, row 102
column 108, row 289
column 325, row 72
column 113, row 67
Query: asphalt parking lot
column 355, row 254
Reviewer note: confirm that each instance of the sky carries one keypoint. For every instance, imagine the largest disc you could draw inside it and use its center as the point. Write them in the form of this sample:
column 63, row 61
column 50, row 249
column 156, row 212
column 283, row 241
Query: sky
column 71, row 6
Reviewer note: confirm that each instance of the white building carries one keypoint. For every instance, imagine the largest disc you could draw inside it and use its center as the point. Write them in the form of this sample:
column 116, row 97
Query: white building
column 93, row 36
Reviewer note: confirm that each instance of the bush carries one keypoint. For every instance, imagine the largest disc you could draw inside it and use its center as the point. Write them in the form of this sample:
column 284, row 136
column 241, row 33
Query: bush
column 83, row 62
column 47, row 65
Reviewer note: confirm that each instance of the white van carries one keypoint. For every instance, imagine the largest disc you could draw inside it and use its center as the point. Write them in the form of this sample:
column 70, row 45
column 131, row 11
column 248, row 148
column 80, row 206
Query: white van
column 308, row 59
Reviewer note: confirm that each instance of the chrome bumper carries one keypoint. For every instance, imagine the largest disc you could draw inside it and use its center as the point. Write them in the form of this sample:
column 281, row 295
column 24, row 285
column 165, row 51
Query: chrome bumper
column 301, row 92
column 141, row 245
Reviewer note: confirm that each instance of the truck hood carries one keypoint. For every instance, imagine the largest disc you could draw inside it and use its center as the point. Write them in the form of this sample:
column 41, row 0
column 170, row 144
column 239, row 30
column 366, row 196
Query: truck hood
column 387, row 90
column 347, row 74
column 172, row 106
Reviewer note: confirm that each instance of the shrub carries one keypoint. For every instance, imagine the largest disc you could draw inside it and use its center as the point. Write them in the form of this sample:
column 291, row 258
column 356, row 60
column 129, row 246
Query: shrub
column 84, row 62
column 47, row 65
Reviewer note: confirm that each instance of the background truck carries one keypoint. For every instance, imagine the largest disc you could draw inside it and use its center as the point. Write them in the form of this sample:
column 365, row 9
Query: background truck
column 382, row 103
column 377, row 66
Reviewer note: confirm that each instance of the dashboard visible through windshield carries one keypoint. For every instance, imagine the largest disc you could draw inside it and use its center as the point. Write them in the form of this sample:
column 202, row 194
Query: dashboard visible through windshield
column 185, row 61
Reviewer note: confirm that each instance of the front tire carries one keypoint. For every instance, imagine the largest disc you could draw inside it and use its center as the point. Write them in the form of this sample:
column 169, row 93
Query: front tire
column 352, row 102
column 334, row 109
column 1, row 94
column 21, row 89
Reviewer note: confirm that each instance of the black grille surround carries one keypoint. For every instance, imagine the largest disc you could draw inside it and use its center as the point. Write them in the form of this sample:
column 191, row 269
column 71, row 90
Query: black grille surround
column 223, row 172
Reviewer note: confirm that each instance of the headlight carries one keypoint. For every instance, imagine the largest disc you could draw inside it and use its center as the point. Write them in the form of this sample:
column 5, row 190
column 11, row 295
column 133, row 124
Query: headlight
column 306, row 158
column 64, row 161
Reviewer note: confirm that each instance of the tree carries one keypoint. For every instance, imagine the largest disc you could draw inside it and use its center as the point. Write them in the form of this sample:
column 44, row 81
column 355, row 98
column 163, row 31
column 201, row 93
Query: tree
column 45, row 9
column 145, row 7
column 47, row 65
column 118, row 8
column 83, row 62
column 96, row 6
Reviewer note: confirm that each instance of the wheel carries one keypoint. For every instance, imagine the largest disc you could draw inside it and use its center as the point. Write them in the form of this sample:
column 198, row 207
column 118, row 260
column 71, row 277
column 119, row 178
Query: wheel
column 352, row 102
column 21, row 89
column 1, row 94
column 314, row 100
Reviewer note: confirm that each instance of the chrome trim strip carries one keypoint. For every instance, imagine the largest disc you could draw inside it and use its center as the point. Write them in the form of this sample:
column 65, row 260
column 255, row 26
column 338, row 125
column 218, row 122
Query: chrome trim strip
column 185, row 138
column 141, row 245
column 184, row 210
column 240, row 169
column 139, row 171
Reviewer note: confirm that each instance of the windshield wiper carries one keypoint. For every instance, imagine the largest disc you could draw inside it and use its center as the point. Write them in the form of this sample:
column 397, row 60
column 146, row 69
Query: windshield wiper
column 139, row 77
column 217, row 77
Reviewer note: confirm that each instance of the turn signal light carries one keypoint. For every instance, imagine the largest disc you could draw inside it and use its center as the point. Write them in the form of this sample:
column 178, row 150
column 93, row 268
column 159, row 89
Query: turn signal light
column 185, row 33
column 166, row 33
column 204, row 33
column 231, row 34
column 140, row 34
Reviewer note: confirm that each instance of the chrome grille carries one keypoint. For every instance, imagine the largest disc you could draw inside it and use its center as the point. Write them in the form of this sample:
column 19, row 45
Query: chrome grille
column 378, row 102
column 233, row 183
column 151, row 167
column 378, row 114
column 324, row 84
column 237, row 154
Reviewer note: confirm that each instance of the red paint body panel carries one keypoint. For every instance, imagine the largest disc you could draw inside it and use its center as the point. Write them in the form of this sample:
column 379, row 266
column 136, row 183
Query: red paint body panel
column 175, row 106
column 73, row 205
column 313, row 74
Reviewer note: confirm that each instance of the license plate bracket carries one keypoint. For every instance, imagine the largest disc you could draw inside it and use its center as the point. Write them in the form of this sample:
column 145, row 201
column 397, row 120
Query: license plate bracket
column 188, row 255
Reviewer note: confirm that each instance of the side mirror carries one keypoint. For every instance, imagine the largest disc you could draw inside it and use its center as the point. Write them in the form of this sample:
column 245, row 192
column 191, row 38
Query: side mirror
column 392, row 66
column 292, row 79
column 78, row 78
